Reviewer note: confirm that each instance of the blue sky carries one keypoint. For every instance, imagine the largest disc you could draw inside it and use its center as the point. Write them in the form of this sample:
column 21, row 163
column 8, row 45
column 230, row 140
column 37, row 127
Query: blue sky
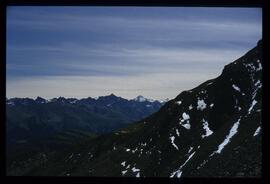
column 156, row 52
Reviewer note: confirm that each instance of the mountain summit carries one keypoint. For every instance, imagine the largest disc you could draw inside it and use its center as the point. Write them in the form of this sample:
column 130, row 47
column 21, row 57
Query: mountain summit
column 213, row 130
column 140, row 98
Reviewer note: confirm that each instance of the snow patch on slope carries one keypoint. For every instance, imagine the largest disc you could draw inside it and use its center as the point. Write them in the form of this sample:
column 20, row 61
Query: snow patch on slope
column 208, row 132
column 252, row 105
column 177, row 132
column 124, row 172
column 257, row 131
column 190, row 149
column 236, row 88
column 123, row 163
column 178, row 172
column 259, row 65
column 232, row 132
column 201, row 105
column 185, row 118
column 135, row 169
column 172, row 141
column 178, row 102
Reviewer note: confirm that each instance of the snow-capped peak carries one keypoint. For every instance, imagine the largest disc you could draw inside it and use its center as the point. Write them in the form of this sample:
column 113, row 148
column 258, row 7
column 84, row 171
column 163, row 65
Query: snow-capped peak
column 140, row 98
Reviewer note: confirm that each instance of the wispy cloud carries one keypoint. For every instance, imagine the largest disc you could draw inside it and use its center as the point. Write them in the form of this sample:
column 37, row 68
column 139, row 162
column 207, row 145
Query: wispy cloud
column 128, row 27
column 82, row 60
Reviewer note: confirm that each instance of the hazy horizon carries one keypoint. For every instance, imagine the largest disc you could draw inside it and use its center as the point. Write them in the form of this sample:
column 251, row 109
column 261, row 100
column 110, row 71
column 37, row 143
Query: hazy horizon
column 156, row 52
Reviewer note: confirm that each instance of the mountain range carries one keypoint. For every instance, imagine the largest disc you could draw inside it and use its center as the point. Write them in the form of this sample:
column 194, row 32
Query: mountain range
column 40, row 117
column 212, row 130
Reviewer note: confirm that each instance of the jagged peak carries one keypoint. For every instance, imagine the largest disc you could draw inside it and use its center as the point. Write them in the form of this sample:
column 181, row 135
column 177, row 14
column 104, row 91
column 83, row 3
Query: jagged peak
column 40, row 100
column 112, row 95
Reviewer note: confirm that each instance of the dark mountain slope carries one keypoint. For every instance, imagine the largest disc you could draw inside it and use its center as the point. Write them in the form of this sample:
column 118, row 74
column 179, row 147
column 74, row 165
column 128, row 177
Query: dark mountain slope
column 36, row 119
column 211, row 130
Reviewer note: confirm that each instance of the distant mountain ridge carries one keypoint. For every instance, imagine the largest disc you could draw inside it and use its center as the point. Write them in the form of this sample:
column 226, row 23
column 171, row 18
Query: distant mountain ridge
column 13, row 101
column 110, row 109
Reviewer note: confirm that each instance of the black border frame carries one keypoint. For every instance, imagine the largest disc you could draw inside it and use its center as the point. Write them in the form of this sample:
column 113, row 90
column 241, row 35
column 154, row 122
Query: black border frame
column 184, row 3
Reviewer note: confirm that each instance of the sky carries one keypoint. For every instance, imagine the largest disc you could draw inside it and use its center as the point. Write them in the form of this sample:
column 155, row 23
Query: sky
column 157, row 52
